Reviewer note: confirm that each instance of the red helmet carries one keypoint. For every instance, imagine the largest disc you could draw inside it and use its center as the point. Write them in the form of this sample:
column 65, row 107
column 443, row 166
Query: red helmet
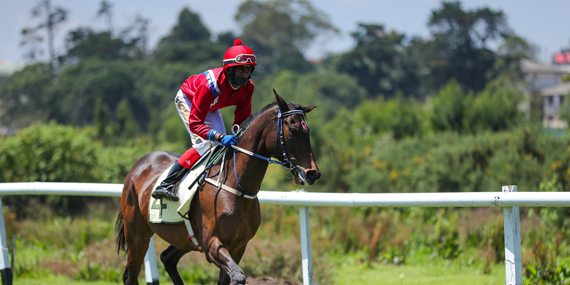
column 238, row 55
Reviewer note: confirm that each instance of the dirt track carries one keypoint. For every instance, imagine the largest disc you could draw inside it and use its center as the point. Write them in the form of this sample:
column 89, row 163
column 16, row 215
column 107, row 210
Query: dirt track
column 269, row 281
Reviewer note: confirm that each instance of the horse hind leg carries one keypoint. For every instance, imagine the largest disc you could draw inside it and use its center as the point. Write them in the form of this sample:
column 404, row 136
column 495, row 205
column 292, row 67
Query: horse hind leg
column 138, row 234
column 125, row 275
column 170, row 257
column 121, row 240
column 135, row 259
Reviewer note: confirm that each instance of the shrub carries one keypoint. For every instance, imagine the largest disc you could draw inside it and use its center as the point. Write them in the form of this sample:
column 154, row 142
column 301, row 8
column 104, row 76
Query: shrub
column 47, row 153
column 56, row 153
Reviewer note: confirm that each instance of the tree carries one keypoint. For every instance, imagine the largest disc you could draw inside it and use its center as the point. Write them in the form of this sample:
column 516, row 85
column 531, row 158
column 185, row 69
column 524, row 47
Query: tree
column 80, row 85
column 53, row 19
column 126, row 126
column 449, row 108
column 188, row 29
column 189, row 42
column 204, row 53
column 32, row 41
column 101, row 113
column 328, row 90
column 280, row 31
column 495, row 108
column 377, row 62
column 509, row 56
column 226, row 38
column 27, row 96
column 105, row 10
column 463, row 36
column 424, row 56
column 397, row 116
column 137, row 35
column 83, row 43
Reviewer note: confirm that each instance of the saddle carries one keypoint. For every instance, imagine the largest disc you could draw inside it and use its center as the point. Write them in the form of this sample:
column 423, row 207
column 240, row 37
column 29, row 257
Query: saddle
column 162, row 211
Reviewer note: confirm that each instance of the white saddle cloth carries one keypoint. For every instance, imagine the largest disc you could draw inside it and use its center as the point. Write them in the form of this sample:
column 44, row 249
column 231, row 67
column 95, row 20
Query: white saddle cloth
column 168, row 212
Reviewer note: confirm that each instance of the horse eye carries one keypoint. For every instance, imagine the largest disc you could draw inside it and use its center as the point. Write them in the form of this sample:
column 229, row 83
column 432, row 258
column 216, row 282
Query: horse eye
column 293, row 130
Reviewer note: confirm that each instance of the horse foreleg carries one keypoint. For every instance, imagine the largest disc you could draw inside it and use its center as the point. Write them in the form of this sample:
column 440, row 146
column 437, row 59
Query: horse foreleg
column 218, row 254
column 170, row 257
column 223, row 277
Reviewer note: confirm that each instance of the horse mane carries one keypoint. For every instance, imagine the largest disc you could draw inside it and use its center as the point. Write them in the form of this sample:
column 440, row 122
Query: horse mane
column 245, row 125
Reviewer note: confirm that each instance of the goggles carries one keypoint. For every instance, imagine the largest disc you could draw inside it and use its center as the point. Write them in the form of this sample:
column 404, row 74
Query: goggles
column 242, row 58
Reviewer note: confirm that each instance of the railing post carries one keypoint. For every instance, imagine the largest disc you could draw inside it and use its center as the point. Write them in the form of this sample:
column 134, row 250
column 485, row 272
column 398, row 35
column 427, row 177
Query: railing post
column 150, row 267
column 5, row 271
column 513, row 256
column 306, row 246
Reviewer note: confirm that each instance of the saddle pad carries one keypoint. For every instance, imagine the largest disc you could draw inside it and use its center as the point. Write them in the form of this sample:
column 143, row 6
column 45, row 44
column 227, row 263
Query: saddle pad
column 168, row 212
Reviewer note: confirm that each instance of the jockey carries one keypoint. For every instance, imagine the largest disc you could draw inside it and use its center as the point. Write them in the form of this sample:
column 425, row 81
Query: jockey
column 199, row 102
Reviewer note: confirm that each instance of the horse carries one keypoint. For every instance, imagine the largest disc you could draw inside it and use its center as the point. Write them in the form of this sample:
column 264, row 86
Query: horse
column 223, row 221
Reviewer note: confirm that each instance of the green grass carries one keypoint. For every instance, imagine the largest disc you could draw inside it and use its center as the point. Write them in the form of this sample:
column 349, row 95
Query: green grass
column 82, row 250
column 58, row 280
column 356, row 274
column 425, row 275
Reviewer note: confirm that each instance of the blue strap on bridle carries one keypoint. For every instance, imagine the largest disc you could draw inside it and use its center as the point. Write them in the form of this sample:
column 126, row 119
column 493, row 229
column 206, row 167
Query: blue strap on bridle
column 287, row 164
column 269, row 160
column 243, row 192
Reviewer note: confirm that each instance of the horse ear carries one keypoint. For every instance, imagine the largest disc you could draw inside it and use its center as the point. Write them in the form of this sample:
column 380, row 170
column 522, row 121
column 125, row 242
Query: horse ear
column 309, row 109
column 282, row 104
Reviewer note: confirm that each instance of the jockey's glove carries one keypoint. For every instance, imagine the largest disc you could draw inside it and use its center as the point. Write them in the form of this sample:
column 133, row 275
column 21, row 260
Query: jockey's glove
column 227, row 140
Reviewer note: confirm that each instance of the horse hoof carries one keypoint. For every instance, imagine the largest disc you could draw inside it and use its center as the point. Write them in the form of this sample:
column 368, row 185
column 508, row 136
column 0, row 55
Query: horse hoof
column 238, row 279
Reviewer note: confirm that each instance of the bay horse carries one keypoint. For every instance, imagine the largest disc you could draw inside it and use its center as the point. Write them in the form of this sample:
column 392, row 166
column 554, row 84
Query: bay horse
column 224, row 222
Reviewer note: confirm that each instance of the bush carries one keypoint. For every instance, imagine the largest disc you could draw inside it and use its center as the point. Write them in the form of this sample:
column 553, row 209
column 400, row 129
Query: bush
column 47, row 153
column 494, row 109
column 56, row 153
column 449, row 108
column 447, row 162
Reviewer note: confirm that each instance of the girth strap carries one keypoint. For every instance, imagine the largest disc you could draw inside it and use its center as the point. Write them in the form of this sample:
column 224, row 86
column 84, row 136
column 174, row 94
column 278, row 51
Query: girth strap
column 191, row 236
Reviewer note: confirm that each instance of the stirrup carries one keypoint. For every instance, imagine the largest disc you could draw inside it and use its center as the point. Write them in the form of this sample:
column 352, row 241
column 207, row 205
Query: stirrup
column 165, row 192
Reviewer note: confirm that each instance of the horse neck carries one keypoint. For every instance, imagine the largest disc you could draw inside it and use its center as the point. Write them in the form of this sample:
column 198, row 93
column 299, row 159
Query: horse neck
column 251, row 170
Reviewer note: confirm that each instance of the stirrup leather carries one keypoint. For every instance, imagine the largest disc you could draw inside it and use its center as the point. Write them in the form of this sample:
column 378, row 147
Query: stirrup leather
column 229, row 189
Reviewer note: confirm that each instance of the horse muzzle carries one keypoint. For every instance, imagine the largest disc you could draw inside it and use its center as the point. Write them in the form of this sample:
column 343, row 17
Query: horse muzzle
column 306, row 177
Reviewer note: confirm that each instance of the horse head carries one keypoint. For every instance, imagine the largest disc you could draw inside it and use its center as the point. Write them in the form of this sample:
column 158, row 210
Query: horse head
column 295, row 144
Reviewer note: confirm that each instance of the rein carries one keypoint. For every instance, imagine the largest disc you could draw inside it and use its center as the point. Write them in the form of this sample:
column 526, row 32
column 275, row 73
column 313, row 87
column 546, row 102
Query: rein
column 290, row 166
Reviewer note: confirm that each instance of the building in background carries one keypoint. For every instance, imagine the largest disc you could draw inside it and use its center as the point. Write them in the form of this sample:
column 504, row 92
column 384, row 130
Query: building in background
column 552, row 84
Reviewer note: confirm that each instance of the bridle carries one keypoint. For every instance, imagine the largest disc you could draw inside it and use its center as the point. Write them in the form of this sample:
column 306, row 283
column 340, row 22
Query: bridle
column 290, row 166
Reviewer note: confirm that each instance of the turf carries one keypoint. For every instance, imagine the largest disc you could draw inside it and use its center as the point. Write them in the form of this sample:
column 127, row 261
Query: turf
column 425, row 275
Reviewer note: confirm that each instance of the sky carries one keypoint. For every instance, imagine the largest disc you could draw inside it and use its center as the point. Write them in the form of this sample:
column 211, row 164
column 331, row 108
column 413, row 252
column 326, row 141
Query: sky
column 544, row 23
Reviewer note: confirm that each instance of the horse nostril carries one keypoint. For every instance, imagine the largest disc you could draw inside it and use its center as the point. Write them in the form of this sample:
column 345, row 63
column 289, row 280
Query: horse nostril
column 313, row 175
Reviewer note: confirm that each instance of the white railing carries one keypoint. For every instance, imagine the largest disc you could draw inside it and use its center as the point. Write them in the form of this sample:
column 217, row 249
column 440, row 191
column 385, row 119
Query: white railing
column 509, row 199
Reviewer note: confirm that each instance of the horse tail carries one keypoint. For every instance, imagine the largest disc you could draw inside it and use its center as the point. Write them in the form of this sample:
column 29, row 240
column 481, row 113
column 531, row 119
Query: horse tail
column 120, row 231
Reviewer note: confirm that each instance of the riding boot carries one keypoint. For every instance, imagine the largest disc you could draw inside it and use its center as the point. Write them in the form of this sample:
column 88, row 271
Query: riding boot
column 166, row 187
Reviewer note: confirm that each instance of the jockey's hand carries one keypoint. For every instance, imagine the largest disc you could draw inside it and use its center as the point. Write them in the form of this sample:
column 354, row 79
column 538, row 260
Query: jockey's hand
column 228, row 140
